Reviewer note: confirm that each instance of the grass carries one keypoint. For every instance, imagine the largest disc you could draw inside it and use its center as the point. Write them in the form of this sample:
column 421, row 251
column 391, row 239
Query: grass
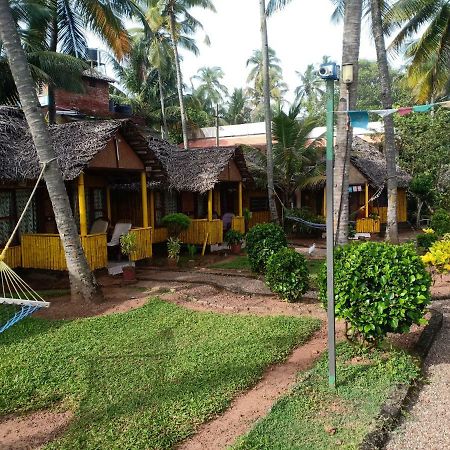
column 237, row 263
column 314, row 267
column 313, row 417
column 144, row 379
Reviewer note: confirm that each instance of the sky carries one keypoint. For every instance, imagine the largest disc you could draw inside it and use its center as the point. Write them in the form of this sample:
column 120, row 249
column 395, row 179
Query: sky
column 300, row 35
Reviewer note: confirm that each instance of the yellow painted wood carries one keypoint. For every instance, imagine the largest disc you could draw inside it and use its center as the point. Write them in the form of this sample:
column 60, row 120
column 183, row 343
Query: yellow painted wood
column 199, row 228
column 13, row 256
column 367, row 225
column 159, row 235
column 204, row 244
column 152, row 209
column 240, row 210
column 108, row 202
column 402, row 206
column 259, row 217
column 82, row 205
column 210, row 205
column 217, row 202
column 366, row 202
column 238, row 224
column 143, row 243
column 144, row 200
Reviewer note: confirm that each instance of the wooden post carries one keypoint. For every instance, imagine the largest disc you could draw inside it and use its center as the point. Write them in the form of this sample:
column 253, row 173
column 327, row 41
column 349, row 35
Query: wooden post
column 324, row 202
column 144, row 200
column 210, row 205
column 82, row 205
column 367, row 200
column 240, row 214
column 108, row 203
column 152, row 209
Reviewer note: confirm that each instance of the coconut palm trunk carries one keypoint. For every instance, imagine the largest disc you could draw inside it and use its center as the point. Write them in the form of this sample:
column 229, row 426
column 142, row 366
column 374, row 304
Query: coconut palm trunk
column 51, row 94
column 268, row 113
column 82, row 280
column 165, row 131
column 179, row 79
column 389, row 136
column 347, row 101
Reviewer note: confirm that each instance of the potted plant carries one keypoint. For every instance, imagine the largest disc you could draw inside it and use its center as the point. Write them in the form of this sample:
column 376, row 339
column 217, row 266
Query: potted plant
column 173, row 250
column 234, row 240
column 192, row 250
column 128, row 245
column 176, row 223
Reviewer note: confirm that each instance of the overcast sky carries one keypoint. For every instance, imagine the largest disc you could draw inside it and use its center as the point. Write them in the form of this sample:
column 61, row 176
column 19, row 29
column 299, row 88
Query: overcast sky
column 300, row 34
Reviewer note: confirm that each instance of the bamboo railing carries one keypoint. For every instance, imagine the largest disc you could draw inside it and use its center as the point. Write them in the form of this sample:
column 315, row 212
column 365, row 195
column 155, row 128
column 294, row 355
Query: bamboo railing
column 13, row 257
column 238, row 224
column 143, row 243
column 368, row 225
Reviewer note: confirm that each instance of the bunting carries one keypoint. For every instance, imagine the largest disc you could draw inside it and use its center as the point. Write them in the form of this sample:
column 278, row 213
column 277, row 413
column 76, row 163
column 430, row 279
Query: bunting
column 360, row 119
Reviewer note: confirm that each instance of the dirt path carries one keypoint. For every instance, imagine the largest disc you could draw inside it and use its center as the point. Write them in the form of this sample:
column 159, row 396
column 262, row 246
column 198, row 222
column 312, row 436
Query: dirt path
column 256, row 403
column 427, row 424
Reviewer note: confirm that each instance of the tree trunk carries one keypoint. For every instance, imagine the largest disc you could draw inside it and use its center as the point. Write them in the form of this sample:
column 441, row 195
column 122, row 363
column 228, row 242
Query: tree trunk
column 165, row 131
column 51, row 106
column 389, row 136
column 344, row 134
column 179, row 79
column 268, row 113
column 419, row 211
column 82, row 280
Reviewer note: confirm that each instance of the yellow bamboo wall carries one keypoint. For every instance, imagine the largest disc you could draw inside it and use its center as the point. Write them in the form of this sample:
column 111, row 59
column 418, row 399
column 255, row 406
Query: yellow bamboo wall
column 199, row 228
column 144, row 243
column 259, row 217
column 238, row 224
column 368, row 225
column 13, row 257
column 45, row 251
column 159, row 235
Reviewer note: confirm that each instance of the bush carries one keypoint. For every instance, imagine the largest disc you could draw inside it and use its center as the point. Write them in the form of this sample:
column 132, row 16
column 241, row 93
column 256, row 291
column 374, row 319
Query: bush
column 287, row 274
column 379, row 288
column 440, row 222
column 426, row 240
column 304, row 213
column 233, row 237
column 262, row 242
column 176, row 223
column 439, row 256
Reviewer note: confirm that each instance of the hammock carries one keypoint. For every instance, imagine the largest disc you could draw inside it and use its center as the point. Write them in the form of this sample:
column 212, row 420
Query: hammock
column 317, row 226
column 17, row 299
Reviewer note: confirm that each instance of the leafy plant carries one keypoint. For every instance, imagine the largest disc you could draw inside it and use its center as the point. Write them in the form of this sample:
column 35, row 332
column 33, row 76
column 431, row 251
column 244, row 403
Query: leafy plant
column 440, row 222
column 128, row 244
column 379, row 288
column 426, row 240
column 262, row 242
column 307, row 214
column 287, row 274
column 233, row 237
column 173, row 248
column 192, row 250
column 438, row 256
column 176, row 223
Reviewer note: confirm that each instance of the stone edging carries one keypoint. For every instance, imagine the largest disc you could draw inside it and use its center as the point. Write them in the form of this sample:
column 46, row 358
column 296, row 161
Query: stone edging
column 390, row 413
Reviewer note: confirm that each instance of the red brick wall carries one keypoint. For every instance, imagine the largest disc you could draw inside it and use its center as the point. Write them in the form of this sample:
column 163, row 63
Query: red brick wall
column 94, row 101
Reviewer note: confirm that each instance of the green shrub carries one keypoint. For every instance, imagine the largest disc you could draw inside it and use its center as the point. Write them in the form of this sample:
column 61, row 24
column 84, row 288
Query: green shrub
column 426, row 240
column 304, row 213
column 379, row 288
column 440, row 222
column 233, row 237
column 262, row 242
column 287, row 274
column 176, row 223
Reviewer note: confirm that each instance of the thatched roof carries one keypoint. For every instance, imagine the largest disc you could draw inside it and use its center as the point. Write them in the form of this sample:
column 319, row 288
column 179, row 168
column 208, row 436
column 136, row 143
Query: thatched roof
column 369, row 160
column 75, row 144
column 96, row 75
column 198, row 170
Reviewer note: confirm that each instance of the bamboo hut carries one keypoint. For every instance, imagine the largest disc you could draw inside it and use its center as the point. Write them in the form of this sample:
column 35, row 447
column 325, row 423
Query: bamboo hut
column 92, row 155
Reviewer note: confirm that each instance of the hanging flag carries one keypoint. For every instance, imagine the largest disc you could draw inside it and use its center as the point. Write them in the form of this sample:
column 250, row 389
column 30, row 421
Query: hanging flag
column 422, row 108
column 383, row 112
column 405, row 111
column 359, row 119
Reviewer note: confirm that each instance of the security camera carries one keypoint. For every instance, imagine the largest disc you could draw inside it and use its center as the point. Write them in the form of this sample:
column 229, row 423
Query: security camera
column 329, row 71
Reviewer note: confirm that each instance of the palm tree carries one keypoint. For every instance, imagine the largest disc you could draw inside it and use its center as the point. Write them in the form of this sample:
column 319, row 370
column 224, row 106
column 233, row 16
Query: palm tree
column 428, row 72
column 181, row 21
column 389, row 133
column 237, row 112
column 210, row 88
column 66, row 24
column 265, row 52
column 82, row 280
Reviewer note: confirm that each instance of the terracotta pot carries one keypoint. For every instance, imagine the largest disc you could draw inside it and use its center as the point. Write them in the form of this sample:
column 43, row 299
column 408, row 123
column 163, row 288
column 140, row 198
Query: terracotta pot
column 129, row 273
column 171, row 262
column 236, row 249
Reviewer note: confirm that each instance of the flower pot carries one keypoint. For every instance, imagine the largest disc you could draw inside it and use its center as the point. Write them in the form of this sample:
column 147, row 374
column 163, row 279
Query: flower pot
column 129, row 273
column 172, row 262
column 235, row 249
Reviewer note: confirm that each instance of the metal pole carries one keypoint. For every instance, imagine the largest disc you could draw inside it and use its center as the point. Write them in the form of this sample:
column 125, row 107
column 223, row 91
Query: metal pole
column 330, row 236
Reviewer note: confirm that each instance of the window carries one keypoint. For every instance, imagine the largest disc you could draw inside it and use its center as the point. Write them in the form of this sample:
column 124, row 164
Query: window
column 97, row 204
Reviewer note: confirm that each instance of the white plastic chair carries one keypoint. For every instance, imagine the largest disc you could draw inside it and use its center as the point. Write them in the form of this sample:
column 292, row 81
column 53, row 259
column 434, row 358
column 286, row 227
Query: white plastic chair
column 120, row 229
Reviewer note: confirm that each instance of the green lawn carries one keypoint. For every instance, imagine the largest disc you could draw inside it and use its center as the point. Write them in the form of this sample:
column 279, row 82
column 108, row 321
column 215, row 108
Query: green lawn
column 313, row 417
column 140, row 380
column 239, row 263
